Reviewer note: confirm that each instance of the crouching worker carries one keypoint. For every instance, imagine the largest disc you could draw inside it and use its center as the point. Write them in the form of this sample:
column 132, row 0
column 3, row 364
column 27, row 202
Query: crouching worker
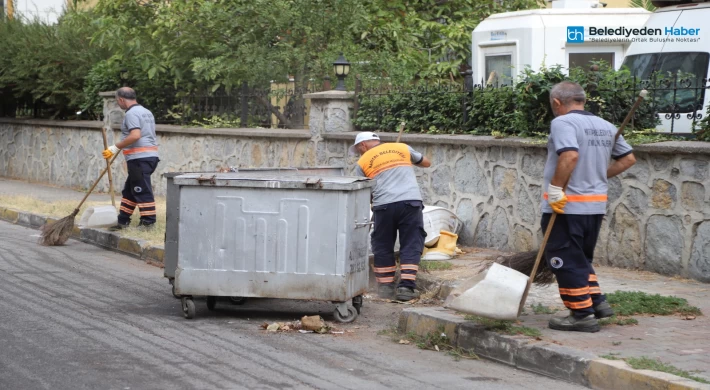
column 140, row 148
column 580, row 149
column 397, row 207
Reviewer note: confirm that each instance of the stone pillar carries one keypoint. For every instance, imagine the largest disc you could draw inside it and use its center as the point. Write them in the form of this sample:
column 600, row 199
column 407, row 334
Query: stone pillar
column 113, row 114
column 330, row 112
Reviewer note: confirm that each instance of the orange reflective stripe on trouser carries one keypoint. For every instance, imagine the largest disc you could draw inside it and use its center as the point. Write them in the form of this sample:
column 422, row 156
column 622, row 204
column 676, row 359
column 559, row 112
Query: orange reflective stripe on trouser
column 384, row 270
column 408, row 277
column 140, row 150
column 593, row 278
column 574, row 292
column 389, row 279
column 127, row 210
column 584, row 198
column 128, row 202
column 578, row 305
column 595, row 291
column 409, row 267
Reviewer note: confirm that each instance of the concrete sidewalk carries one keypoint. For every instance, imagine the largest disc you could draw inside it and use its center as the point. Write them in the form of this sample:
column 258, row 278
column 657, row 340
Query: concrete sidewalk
column 48, row 193
column 674, row 340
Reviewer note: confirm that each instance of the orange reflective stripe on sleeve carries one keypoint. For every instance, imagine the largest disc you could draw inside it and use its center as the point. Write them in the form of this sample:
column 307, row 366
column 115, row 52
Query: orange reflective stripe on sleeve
column 584, row 198
column 140, row 150
column 578, row 305
column 574, row 292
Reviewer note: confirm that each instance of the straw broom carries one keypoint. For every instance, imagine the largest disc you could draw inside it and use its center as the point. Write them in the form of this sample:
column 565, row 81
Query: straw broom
column 59, row 232
column 530, row 262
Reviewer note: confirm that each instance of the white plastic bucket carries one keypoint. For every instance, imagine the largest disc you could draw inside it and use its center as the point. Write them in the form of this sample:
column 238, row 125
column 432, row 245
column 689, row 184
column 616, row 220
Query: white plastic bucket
column 99, row 216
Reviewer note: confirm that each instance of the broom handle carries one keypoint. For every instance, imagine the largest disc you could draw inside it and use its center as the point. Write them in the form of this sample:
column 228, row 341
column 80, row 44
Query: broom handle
column 401, row 130
column 108, row 165
column 541, row 251
column 76, row 210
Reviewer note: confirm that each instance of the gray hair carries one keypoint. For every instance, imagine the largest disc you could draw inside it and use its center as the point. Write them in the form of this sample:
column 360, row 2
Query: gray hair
column 567, row 93
column 126, row 93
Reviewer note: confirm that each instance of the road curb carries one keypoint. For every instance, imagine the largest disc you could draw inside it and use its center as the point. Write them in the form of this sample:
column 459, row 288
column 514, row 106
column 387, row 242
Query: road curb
column 540, row 357
column 152, row 255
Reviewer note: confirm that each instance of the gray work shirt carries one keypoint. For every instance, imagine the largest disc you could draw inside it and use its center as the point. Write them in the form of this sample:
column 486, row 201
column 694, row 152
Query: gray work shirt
column 139, row 117
column 396, row 184
column 593, row 138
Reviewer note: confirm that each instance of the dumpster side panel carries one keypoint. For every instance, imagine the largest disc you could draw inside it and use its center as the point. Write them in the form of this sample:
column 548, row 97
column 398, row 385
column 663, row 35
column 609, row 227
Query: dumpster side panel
column 354, row 233
column 258, row 243
column 172, row 214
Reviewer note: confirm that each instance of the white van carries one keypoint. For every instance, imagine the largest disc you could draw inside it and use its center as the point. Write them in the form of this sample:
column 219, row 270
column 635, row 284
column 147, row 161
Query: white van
column 682, row 48
column 504, row 44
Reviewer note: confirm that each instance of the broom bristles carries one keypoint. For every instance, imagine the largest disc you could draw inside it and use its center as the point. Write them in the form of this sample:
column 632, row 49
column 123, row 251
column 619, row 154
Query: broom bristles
column 524, row 262
column 59, row 232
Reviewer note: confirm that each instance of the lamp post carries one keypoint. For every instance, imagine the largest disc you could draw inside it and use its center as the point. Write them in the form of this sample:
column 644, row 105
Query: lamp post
column 342, row 68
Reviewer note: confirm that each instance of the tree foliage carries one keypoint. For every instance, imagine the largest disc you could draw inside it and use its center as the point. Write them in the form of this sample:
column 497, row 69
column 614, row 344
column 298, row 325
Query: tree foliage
column 178, row 47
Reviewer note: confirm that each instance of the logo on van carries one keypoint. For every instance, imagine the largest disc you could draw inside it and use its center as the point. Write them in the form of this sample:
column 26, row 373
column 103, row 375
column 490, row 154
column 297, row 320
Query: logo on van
column 575, row 34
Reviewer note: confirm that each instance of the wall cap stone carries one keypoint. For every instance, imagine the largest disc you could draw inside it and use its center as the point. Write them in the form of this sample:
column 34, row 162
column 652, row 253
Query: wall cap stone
column 243, row 132
column 330, row 95
column 108, row 94
column 668, row 147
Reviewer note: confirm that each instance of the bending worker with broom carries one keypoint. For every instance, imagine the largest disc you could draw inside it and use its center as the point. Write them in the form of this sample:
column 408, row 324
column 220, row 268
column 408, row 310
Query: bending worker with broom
column 580, row 148
column 140, row 148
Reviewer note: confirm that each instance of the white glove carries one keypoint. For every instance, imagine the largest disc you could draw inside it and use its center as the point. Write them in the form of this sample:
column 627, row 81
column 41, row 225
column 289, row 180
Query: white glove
column 111, row 151
column 556, row 198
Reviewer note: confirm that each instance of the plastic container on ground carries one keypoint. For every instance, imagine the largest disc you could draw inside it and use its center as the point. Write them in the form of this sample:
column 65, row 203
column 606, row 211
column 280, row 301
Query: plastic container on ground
column 98, row 216
column 495, row 293
column 272, row 235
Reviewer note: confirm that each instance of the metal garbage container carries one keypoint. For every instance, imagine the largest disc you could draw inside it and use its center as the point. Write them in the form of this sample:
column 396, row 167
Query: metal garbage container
column 172, row 236
column 273, row 235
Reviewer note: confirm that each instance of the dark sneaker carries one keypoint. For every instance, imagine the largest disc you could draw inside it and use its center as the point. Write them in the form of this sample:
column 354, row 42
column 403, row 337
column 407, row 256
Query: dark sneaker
column 118, row 227
column 571, row 323
column 385, row 291
column 405, row 294
column 603, row 310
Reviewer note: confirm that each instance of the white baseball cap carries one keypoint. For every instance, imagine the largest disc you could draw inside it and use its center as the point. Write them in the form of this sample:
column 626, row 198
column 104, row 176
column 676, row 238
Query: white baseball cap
column 364, row 136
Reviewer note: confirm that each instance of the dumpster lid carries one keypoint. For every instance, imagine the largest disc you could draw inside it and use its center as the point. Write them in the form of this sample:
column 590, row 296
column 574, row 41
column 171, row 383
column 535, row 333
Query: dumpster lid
column 274, row 180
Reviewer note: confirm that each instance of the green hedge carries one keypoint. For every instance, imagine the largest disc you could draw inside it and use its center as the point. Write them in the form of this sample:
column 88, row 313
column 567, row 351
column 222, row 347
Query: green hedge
column 521, row 108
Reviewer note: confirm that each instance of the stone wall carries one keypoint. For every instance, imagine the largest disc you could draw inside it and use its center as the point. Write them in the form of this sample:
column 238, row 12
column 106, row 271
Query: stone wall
column 658, row 216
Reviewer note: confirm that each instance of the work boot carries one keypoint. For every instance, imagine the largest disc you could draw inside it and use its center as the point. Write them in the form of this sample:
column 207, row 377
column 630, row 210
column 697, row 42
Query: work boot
column 571, row 323
column 385, row 290
column 118, row 227
column 142, row 225
column 405, row 294
column 603, row 310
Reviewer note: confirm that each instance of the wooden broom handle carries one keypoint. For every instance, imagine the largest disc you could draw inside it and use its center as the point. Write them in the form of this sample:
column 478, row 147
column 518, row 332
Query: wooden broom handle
column 108, row 165
column 76, row 211
column 541, row 251
column 401, row 130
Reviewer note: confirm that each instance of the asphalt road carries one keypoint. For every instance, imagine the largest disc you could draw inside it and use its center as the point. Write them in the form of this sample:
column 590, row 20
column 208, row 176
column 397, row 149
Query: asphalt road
column 79, row 317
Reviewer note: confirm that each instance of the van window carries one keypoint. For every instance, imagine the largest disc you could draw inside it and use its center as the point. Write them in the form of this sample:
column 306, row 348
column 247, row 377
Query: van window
column 501, row 64
column 692, row 66
column 584, row 59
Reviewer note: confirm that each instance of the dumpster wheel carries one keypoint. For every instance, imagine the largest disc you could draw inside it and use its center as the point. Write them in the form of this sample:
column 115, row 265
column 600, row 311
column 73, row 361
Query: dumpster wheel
column 352, row 315
column 238, row 300
column 357, row 303
column 188, row 307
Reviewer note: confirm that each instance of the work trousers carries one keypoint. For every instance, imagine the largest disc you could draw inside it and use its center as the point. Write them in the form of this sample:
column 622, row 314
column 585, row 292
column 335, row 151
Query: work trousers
column 138, row 191
column 406, row 218
column 569, row 254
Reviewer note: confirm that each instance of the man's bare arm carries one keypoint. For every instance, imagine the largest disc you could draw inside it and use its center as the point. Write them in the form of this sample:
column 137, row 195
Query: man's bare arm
column 132, row 137
column 620, row 165
column 565, row 166
column 425, row 163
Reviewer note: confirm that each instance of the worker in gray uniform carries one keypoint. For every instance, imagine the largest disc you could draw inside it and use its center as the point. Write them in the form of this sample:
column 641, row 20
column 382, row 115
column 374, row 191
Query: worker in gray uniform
column 580, row 149
column 140, row 148
column 397, row 208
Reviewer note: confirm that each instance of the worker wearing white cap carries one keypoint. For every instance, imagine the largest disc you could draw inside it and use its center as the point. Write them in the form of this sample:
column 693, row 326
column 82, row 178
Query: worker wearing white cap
column 397, row 207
